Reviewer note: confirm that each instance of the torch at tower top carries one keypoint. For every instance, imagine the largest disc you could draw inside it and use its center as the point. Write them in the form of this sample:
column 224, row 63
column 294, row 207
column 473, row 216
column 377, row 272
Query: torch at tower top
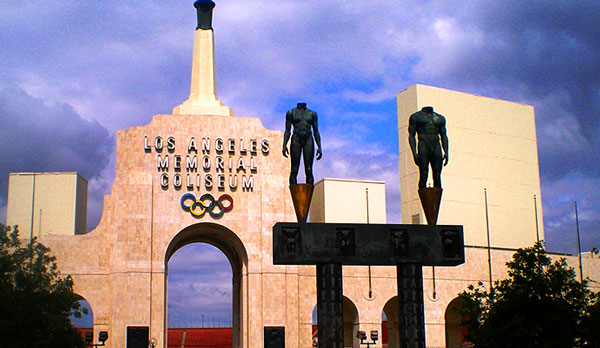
column 204, row 10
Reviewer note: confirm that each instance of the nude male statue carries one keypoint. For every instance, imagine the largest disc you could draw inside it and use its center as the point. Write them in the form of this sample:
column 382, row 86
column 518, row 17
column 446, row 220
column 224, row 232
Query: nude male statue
column 430, row 128
column 304, row 122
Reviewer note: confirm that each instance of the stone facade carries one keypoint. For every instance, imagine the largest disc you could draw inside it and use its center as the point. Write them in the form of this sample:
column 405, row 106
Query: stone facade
column 120, row 268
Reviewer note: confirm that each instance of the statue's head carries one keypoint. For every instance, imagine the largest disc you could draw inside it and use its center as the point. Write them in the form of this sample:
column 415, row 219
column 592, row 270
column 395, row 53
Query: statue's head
column 428, row 109
column 301, row 105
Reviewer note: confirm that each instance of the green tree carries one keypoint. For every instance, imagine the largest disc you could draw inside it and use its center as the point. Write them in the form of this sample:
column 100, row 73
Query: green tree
column 591, row 323
column 35, row 301
column 539, row 304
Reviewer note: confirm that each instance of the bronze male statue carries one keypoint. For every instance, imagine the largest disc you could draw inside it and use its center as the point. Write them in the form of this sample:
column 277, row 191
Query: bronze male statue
column 304, row 122
column 430, row 128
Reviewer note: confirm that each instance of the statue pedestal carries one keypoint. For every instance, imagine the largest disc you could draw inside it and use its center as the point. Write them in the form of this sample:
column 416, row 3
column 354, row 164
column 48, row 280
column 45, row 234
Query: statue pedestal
column 430, row 201
column 301, row 196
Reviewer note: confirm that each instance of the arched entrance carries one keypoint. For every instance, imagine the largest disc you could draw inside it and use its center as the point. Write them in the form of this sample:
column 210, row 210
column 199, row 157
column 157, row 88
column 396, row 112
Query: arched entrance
column 84, row 323
column 390, row 310
column 228, row 242
column 350, row 323
column 455, row 331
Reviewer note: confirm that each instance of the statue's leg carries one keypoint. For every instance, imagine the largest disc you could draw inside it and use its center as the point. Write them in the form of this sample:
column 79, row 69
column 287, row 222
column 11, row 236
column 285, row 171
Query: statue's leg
column 309, row 154
column 295, row 151
column 436, row 166
column 423, row 151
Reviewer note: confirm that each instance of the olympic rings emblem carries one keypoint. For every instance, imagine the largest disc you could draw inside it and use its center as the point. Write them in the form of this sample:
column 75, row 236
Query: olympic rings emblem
column 206, row 203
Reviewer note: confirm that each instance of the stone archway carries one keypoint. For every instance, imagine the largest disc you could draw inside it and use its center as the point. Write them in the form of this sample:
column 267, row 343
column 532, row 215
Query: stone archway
column 350, row 323
column 455, row 331
column 390, row 309
column 229, row 243
column 85, row 323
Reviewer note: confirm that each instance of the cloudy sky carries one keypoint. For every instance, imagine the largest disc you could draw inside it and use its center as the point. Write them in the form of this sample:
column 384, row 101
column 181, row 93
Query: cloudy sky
column 73, row 72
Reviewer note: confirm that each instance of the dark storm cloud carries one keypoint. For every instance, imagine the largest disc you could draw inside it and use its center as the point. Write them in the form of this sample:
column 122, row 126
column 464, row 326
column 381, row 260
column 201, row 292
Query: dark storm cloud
column 35, row 137
column 543, row 53
column 93, row 54
column 554, row 50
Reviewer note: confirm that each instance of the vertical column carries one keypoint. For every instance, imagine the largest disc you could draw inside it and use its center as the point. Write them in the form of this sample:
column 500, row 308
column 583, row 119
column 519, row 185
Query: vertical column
column 203, row 83
column 330, row 318
column 411, row 312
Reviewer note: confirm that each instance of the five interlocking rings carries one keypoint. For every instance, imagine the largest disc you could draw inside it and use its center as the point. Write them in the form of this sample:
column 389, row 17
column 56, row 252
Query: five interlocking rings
column 200, row 206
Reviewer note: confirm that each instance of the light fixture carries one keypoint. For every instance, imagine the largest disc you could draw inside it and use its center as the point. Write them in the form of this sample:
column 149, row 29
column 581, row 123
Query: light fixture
column 102, row 337
column 362, row 336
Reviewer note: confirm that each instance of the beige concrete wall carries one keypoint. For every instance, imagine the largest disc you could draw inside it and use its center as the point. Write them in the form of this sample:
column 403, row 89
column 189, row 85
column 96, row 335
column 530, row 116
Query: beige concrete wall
column 19, row 206
column 345, row 200
column 56, row 203
column 492, row 145
column 120, row 267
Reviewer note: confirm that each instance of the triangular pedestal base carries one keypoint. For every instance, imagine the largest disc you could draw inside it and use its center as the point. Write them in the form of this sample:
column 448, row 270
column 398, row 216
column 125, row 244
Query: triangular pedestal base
column 301, row 196
column 430, row 201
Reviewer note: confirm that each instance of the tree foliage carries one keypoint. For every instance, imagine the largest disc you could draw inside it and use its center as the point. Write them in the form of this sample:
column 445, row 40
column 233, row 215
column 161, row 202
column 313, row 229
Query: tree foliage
column 539, row 304
column 35, row 301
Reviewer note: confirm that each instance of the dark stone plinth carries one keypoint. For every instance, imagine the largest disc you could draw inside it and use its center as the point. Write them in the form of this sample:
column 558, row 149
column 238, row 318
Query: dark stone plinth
column 330, row 246
column 362, row 244
column 410, row 305
column 330, row 317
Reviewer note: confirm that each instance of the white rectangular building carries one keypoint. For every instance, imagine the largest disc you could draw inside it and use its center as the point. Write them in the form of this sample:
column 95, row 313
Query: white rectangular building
column 47, row 203
column 492, row 147
column 348, row 201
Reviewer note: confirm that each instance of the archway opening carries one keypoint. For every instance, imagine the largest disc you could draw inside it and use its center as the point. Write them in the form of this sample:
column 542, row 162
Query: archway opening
column 204, row 264
column 84, row 323
column 315, row 332
column 455, row 331
column 390, row 323
column 350, row 323
column 200, row 288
